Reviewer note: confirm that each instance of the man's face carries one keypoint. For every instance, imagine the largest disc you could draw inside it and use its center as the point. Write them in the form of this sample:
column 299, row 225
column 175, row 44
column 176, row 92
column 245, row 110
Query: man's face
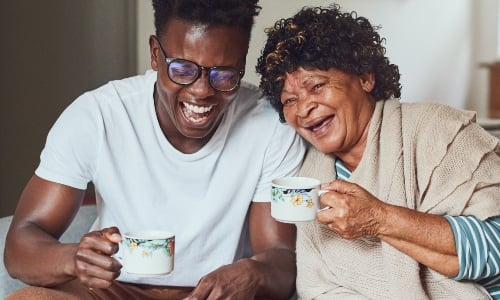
column 190, row 114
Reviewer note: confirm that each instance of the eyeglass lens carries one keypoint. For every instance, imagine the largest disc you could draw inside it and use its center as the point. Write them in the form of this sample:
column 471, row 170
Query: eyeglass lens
column 186, row 72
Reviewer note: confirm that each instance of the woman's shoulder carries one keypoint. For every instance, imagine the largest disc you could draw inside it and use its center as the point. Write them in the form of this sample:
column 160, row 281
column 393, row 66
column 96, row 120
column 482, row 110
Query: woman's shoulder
column 430, row 116
column 435, row 110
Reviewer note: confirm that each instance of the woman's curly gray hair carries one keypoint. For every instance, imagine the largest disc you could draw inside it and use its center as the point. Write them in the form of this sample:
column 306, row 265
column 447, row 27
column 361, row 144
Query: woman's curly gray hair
column 324, row 38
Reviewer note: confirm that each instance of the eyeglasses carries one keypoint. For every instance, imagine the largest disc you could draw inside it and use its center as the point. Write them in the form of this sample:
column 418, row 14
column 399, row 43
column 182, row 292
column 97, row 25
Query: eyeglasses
column 185, row 72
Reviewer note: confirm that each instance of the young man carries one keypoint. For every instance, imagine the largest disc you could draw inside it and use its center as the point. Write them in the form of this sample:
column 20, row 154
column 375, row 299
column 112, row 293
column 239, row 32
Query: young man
column 187, row 148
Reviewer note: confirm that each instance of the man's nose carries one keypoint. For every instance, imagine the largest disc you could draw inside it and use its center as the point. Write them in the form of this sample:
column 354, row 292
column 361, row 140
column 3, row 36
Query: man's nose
column 201, row 87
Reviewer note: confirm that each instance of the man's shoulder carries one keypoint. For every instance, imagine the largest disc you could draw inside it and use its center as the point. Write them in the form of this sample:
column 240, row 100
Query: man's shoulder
column 253, row 104
column 127, row 92
column 129, row 85
column 249, row 91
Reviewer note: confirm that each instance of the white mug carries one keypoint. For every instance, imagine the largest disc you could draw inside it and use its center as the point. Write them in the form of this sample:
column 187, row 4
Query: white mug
column 148, row 252
column 295, row 199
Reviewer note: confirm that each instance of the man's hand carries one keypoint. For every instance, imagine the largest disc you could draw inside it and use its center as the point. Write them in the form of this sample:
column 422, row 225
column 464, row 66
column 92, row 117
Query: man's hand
column 235, row 281
column 94, row 266
column 268, row 274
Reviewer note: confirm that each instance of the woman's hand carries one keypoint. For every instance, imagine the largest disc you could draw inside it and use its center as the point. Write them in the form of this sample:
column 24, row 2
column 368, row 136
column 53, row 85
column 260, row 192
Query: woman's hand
column 94, row 265
column 353, row 211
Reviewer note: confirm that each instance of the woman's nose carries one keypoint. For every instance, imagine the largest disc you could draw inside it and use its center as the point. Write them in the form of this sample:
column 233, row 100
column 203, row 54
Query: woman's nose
column 305, row 106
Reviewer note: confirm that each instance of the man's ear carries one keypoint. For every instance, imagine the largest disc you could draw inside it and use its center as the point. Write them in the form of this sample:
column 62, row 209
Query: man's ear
column 154, row 51
column 367, row 81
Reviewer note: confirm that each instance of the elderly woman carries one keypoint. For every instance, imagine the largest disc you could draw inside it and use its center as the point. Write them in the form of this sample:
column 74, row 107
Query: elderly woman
column 415, row 215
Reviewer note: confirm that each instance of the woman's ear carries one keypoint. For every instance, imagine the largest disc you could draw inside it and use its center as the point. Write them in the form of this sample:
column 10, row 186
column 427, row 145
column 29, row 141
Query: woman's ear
column 367, row 81
column 154, row 52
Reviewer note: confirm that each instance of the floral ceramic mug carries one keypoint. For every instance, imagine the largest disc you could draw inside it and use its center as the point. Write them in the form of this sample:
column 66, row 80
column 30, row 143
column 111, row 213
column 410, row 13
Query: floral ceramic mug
column 148, row 252
column 295, row 199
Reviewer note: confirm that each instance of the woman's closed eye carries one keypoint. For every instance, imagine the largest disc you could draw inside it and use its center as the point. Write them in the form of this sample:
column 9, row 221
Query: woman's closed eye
column 317, row 87
column 289, row 101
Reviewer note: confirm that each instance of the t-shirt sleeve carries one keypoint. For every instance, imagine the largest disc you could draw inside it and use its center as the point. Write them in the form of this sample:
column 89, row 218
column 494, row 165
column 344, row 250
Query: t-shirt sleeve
column 283, row 158
column 70, row 152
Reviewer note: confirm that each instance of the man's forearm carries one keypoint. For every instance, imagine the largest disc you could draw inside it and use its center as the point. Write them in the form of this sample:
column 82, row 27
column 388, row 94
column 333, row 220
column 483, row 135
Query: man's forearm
column 279, row 270
column 38, row 259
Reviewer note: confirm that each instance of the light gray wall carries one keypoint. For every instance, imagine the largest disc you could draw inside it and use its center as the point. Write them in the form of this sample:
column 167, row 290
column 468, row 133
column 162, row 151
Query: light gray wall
column 50, row 53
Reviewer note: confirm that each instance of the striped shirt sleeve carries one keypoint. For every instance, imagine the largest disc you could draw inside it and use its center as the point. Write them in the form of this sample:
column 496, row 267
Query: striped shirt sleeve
column 478, row 249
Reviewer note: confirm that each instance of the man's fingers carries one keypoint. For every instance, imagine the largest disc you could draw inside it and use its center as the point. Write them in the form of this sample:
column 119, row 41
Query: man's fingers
column 112, row 234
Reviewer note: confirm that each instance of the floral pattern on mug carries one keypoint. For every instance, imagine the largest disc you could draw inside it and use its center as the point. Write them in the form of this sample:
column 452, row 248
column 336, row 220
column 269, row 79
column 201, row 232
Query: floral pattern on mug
column 147, row 247
column 297, row 197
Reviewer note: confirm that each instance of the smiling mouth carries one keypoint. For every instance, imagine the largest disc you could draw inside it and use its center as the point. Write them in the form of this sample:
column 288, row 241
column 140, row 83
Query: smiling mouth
column 321, row 125
column 196, row 114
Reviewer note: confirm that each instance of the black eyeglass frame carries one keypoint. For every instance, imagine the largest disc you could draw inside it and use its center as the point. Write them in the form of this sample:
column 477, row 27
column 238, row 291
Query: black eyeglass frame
column 169, row 60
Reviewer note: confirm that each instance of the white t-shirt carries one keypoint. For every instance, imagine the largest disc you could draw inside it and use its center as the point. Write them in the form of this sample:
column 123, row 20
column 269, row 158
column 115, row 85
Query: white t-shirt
column 111, row 136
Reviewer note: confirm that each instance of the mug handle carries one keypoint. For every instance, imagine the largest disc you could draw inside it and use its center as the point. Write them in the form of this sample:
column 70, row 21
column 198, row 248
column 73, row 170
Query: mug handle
column 118, row 255
column 118, row 258
column 321, row 192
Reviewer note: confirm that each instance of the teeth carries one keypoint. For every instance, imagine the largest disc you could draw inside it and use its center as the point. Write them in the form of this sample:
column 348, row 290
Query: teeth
column 319, row 125
column 196, row 120
column 198, row 109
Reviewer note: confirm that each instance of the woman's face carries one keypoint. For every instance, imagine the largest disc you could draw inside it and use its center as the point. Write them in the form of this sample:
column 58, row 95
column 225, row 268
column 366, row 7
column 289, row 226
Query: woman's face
column 330, row 109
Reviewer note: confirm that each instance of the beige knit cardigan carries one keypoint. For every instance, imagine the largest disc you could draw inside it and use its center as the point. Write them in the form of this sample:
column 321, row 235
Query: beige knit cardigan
column 420, row 156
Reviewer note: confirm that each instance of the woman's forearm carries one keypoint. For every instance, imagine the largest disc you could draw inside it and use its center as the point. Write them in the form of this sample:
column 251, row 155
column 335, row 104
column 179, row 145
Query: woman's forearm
column 445, row 264
column 426, row 238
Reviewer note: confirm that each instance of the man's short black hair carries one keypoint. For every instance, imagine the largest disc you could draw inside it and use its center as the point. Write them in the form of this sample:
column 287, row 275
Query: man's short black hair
column 238, row 13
